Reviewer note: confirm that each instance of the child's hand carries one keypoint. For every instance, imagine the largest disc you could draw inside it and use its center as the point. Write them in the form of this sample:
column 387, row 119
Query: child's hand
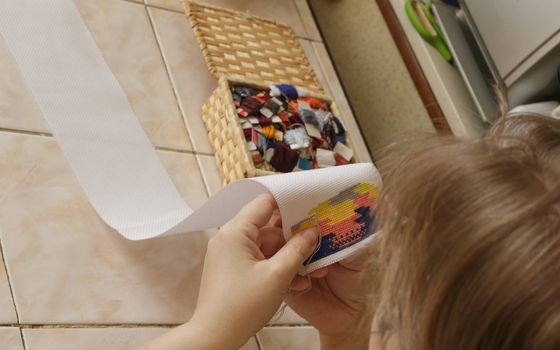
column 337, row 303
column 241, row 289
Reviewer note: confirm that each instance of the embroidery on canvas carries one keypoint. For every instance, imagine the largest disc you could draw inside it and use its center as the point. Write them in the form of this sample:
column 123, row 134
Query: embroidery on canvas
column 343, row 220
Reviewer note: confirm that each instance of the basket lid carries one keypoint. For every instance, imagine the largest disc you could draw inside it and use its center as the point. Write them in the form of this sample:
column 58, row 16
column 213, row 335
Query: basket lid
column 241, row 46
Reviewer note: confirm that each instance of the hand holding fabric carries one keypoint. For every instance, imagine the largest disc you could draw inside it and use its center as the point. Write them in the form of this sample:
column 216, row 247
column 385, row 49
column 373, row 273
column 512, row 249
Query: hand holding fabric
column 245, row 279
column 337, row 303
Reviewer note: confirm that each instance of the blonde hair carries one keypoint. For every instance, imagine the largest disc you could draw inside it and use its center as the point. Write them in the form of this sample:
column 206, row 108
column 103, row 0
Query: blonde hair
column 470, row 244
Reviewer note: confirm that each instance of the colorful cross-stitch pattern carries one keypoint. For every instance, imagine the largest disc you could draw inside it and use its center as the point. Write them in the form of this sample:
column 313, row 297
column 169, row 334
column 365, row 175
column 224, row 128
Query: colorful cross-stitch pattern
column 343, row 220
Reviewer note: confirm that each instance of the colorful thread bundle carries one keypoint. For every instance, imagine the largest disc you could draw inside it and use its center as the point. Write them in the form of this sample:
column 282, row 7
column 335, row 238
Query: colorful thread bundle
column 289, row 130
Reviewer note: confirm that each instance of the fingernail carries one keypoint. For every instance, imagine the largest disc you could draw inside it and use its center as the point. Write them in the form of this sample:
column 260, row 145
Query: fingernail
column 310, row 236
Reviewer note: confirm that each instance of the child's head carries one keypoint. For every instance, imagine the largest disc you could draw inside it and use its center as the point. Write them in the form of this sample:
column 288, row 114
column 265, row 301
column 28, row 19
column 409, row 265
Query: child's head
column 470, row 249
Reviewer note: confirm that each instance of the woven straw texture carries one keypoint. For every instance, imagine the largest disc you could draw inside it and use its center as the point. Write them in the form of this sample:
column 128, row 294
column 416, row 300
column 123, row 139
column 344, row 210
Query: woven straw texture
column 226, row 134
column 238, row 45
column 245, row 50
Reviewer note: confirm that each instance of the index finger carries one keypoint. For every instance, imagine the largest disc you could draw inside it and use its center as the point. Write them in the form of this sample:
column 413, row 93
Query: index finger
column 257, row 212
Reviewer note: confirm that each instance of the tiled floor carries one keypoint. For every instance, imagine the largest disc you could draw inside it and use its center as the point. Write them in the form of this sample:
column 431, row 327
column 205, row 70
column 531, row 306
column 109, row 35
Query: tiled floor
column 10, row 338
column 67, row 280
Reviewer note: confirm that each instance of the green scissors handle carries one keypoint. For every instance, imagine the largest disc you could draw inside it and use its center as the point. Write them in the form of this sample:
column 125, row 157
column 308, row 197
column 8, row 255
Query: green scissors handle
column 425, row 24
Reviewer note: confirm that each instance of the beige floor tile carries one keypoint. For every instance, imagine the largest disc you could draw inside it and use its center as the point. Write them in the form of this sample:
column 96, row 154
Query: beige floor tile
column 88, row 338
column 189, row 73
column 210, row 173
column 289, row 338
column 175, row 5
column 96, row 338
column 10, row 338
column 284, row 11
column 67, row 266
column 7, row 310
column 338, row 95
column 308, row 20
column 18, row 109
column 287, row 316
column 123, row 32
column 251, row 345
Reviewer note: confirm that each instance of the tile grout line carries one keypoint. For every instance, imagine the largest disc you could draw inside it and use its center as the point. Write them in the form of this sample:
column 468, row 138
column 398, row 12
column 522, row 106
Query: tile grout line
column 22, row 338
column 133, row 2
column 12, row 294
column 300, row 15
column 309, row 39
column 183, row 151
column 122, row 325
column 179, row 105
column 258, row 340
column 157, row 148
column 26, row 132
column 94, row 325
column 146, row 4
column 177, row 100
column 171, row 82
column 206, row 182
column 164, row 8
column 307, row 36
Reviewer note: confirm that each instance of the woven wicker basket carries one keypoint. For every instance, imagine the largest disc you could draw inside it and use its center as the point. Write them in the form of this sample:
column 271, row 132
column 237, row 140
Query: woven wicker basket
column 241, row 49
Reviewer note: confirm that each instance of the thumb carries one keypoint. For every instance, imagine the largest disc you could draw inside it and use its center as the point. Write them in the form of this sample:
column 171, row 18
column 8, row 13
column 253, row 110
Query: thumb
column 290, row 258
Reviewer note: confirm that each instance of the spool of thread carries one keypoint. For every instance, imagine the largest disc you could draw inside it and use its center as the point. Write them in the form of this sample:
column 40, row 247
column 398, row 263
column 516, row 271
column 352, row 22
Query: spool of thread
column 295, row 119
column 340, row 160
column 251, row 105
column 240, row 92
column 340, row 128
column 248, row 134
column 304, row 164
column 290, row 91
column 257, row 157
column 317, row 143
column 271, row 107
column 270, row 144
column 310, row 117
column 268, row 131
column 264, row 121
column 330, row 134
column 314, row 103
column 343, row 150
column 261, row 141
column 284, row 158
column 325, row 158
column 297, row 138
column 284, row 116
column 306, row 153
column 333, row 130
column 278, row 136
column 323, row 114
